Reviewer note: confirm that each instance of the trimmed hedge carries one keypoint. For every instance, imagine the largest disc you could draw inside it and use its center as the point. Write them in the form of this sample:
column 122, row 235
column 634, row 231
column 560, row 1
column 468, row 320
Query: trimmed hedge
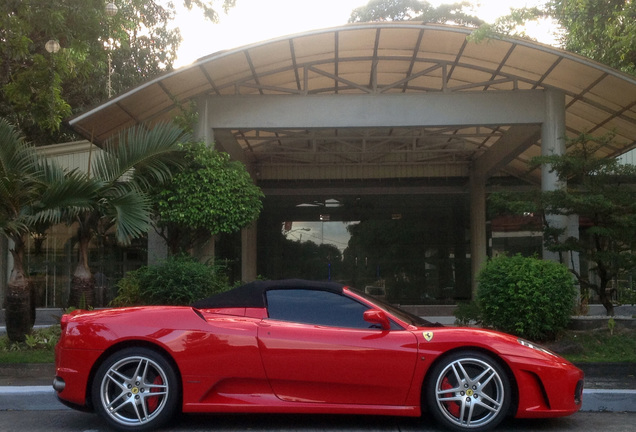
column 528, row 297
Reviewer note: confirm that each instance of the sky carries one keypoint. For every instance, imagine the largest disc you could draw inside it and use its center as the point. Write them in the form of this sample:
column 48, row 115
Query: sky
column 253, row 21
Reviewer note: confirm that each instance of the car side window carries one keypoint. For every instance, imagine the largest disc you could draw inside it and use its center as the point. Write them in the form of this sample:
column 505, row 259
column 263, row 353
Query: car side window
column 316, row 307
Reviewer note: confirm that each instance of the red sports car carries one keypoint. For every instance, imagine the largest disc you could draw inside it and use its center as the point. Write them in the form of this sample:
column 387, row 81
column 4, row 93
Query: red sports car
column 297, row 346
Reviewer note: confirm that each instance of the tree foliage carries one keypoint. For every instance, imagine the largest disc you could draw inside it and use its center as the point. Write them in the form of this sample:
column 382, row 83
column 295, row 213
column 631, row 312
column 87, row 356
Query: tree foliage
column 604, row 31
column 602, row 191
column 39, row 89
column 212, row 195
column 601, row 30
column 414, row 10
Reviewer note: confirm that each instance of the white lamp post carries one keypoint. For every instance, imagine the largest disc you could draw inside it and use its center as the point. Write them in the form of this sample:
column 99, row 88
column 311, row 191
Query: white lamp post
column 111, row 10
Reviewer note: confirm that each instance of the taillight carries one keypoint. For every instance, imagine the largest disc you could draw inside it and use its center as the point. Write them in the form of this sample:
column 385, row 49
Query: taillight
column 578, row 393
column 64, row 322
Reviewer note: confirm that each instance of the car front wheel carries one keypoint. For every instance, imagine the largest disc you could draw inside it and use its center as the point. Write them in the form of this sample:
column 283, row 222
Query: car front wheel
column 468, row 391
column 135, row 389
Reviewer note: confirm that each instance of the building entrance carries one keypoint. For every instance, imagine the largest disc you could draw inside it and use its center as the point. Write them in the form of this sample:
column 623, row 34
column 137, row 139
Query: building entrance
column 409, row 249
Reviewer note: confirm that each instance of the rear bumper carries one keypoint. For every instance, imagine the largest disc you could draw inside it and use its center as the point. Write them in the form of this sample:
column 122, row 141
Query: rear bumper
column 72, row 376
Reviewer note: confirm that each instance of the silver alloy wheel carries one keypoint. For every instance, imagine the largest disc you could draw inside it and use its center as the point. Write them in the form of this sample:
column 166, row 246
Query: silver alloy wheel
column 470, row 393
column 134, row 391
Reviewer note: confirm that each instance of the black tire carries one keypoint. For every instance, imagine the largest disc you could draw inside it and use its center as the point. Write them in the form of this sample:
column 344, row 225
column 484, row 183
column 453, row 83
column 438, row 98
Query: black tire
column 135, row 389
column 468, row 391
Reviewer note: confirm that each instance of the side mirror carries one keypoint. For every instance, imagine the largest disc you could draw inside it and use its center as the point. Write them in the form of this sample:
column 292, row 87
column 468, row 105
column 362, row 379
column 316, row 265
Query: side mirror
column 375, row 316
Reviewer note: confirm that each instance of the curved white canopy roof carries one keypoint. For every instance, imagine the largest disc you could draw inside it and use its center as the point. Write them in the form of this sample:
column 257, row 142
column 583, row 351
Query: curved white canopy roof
column 382, row 59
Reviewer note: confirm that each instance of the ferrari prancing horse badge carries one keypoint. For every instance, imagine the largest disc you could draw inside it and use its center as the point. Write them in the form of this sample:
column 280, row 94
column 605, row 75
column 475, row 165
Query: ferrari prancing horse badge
column 428, row 335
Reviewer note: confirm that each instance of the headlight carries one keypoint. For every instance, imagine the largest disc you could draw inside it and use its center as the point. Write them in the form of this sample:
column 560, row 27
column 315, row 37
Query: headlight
column 534, row 346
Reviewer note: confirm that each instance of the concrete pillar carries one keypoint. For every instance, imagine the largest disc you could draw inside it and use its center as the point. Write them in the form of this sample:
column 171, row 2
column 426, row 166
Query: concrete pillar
column 157, row 248
column 478, row 240
column 248, row 253
column 553, row 143
column 203, row 131
column 553, row 137
column 553, row 140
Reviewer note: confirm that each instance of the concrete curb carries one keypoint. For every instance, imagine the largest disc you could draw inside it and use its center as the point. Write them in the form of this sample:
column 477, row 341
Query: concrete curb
column 609, row 400
column 29, row 398
column 43, row 398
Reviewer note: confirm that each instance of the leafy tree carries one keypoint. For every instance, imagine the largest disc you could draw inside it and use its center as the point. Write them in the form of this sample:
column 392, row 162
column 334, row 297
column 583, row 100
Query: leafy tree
column 34, row 193
column 604, row 31
column 212, row 195
column 601, row 30
column 414, row 10
column 602, row 192
column 128, row 168
column 39, row 89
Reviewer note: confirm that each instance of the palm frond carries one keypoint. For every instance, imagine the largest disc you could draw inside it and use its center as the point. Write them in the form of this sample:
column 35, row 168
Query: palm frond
column 130, row 215
column 67, row 195
column 20, row 183
column 16, row 155
column 140, row 155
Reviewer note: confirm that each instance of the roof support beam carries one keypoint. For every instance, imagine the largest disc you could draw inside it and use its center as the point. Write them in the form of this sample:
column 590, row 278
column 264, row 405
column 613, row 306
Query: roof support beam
column 225, row 141
column 509, row 146
column 394, row 110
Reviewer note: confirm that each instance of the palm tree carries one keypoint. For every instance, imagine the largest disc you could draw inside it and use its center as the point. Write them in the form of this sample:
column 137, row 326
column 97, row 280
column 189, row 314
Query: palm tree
column 19, row 188
column 132, row 163
column 33, row 192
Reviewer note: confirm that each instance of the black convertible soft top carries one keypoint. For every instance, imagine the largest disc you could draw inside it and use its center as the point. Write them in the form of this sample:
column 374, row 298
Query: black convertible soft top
column 252, row 295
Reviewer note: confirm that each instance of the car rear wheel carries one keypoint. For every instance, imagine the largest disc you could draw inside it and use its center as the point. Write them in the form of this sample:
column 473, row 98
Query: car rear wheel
column 135, row 389
column 468, row 391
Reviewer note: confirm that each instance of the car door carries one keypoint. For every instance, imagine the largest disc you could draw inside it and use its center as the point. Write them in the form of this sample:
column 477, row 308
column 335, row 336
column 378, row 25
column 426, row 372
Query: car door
column 316, row 347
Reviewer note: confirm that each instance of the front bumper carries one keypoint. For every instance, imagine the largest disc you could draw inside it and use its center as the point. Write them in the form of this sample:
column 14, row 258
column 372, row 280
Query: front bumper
column 547, row 389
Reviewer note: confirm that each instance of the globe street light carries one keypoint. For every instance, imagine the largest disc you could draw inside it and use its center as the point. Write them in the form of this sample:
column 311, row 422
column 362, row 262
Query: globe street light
column 111, row 9
column 52, row 46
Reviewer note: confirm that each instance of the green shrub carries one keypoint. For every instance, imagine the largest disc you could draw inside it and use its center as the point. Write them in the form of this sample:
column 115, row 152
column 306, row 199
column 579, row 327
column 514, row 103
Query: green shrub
column 128, row 292
column 467, row 313
column 527, row 297
column 179, row 280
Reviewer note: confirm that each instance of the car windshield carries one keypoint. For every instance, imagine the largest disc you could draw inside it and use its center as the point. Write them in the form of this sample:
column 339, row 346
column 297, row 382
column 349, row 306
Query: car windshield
column 403, row 315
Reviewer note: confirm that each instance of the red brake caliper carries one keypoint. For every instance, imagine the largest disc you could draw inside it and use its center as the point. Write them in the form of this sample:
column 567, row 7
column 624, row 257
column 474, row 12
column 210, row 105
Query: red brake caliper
column 153, row 402
column 452, row 407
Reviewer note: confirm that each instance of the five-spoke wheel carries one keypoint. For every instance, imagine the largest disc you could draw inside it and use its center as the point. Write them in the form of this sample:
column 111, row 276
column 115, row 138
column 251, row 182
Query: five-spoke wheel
column 135, row 390
column 468, row 391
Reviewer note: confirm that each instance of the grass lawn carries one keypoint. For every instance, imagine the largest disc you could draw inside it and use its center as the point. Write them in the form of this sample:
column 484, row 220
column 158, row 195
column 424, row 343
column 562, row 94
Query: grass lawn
column 27, row 356
column 599, row 345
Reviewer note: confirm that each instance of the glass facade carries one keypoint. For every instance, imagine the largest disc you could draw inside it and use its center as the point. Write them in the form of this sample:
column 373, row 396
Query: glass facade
column 411, row 250
column 51, row 257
